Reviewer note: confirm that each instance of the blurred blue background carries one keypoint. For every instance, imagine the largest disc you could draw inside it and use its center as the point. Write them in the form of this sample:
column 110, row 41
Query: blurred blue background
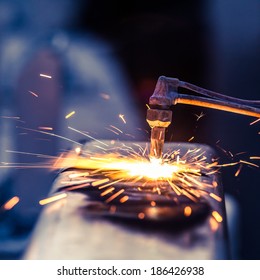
column 105, row 58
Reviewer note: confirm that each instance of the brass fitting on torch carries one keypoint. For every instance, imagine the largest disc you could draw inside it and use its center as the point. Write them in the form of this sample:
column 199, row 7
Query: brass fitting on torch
column 160, row 116
column 166, row 94
column 158, row 120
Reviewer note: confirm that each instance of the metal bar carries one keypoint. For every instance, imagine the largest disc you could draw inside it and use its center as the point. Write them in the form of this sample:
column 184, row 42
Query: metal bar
column 83, row 226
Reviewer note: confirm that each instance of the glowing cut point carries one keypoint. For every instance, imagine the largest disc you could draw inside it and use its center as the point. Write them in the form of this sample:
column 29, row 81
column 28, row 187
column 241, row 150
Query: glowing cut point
column 154, row 169
column 78, row 150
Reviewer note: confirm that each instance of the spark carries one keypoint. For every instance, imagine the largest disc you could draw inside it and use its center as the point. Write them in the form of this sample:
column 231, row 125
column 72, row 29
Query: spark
column 248, row 163
column 216, row 197
column 81, row 186
column 148, row 107
column 130, row 135
column 187, row 211
column 123, row 164
column 78, row 150
column 141, row 216
column 105, row 96
column 238, row 170
column 124, row 199
column 100, row 182
column 217, row 216
column 45, row 76
column 109, row 184
column 116, row 128
column 33, row 93
column 51, row 134
column 70, row 115
column 118, row 166
column 11, row 203
column 114, row 195
column 112, row 130
column 10, row 117
column 254, row 157
column 52, row 198
column 107, row 191
column 122, row 117
column 153, row 203
column 31, row 154
column 45, row 127
column 201, row 115
column 85, row 134
column 191, row 139
column 255, row 121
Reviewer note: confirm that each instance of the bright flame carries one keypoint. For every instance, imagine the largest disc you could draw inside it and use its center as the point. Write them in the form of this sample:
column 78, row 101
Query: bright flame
column 153, row 169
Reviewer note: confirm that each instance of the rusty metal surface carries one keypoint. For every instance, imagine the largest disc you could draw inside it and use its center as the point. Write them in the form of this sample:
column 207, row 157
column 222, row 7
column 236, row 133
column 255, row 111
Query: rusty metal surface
column 83, row 227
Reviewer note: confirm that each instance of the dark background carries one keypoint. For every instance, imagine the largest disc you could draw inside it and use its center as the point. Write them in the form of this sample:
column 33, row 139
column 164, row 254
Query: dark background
column 213, row 44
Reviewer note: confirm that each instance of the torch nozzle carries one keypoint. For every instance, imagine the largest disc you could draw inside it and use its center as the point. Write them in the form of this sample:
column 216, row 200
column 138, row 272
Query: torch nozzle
column 166, row 94
column 157, row 142
column 158, row 120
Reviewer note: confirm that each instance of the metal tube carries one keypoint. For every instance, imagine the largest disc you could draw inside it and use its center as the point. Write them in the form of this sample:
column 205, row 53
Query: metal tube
column 218, row 105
